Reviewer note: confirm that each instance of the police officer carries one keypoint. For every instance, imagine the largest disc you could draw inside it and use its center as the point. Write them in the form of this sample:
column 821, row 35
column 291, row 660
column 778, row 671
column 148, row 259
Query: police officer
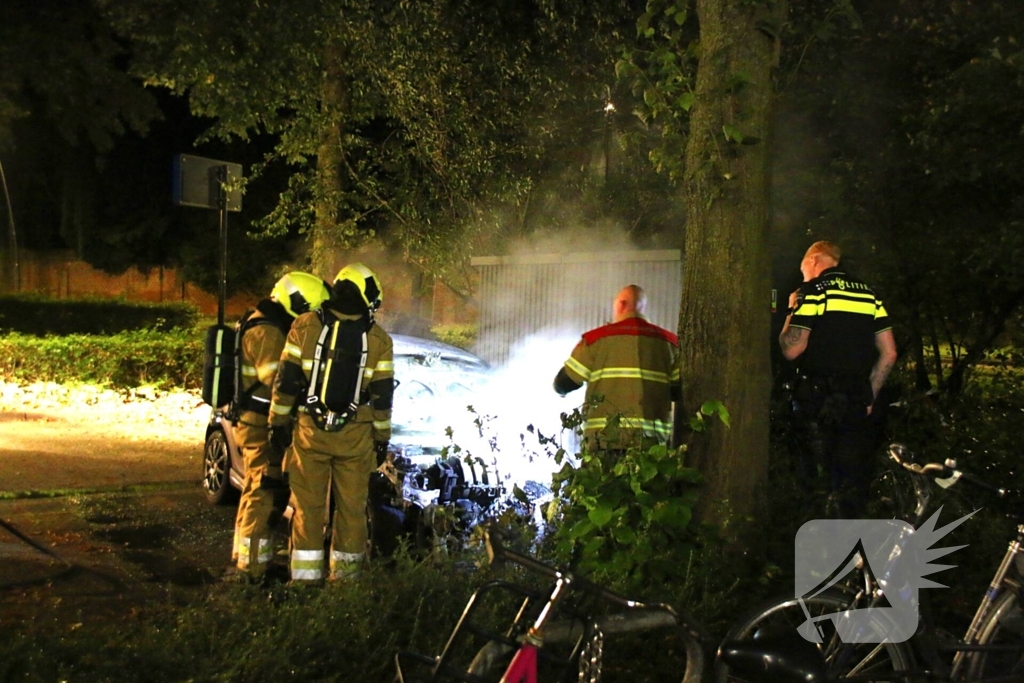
column 631, row 370
column 333, row 452
column 262, row 341
column 839, row 334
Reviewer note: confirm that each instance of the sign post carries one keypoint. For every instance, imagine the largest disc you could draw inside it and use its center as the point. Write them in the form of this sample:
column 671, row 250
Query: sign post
column 210, row 184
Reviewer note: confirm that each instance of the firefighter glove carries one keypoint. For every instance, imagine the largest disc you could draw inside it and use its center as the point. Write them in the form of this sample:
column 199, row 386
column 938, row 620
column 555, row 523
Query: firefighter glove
column 381, row 449
column 280, row 440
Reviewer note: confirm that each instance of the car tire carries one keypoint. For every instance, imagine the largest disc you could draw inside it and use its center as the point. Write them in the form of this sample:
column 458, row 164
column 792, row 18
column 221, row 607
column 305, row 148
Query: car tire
column 216, row 470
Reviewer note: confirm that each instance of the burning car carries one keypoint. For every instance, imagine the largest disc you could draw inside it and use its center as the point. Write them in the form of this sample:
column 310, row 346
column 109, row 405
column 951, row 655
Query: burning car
column 429, row 490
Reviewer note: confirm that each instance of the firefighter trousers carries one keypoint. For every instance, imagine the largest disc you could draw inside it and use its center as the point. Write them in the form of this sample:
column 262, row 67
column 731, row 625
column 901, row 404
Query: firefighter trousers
column 253, row 549
column 320, row 464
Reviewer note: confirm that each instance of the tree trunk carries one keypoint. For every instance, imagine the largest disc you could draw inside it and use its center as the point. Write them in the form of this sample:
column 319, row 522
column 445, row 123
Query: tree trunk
column 335, row 104
column 724, row 320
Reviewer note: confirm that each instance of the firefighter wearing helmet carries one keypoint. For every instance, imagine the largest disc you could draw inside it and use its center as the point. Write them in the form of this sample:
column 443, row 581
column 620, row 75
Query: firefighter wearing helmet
column 262, row 335
column 337, row 380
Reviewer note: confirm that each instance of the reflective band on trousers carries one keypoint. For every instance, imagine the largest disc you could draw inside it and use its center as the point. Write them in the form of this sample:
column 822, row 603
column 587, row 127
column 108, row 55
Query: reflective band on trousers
column 385, row 424
column 263, row 554
column 293, row 350
column 307, row 565
column 659, row 427
column 385, row 366
column 344, row 565
column 339, row 556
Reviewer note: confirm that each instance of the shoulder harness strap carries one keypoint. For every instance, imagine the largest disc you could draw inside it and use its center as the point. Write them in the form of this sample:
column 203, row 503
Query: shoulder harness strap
column 339, row 363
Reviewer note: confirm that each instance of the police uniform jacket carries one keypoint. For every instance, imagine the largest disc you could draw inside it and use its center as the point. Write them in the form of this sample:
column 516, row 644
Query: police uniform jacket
column 371, row 421
column 843, row 315
column 631, row 370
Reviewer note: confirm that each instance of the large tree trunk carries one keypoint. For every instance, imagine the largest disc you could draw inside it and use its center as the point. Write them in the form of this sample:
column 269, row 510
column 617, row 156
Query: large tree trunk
column 724, row 320
column 335, row 104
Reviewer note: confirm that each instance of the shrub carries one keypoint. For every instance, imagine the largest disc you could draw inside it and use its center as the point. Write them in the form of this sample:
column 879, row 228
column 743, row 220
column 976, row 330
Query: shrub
column 40, row 316
column 128, row 359
column 462, row 336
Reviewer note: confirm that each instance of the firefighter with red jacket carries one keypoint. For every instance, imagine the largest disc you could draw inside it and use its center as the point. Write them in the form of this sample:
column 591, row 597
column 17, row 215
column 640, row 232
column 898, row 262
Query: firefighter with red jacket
column 337, row 383
column 264, row 493
column 631, row 370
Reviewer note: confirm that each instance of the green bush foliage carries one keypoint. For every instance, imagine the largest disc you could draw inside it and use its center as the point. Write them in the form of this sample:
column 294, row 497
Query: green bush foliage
column 462, row 336
column 627, row 515
column 40, row 316
column 172, row 359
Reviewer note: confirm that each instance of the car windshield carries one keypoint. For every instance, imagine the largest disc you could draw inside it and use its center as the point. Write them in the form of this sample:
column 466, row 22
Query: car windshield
column 436, row 385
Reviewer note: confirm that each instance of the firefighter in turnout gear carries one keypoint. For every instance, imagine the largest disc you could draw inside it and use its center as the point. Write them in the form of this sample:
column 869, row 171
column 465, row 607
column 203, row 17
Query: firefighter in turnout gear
column 261, row 340
column 631, row 370
column 337, row 382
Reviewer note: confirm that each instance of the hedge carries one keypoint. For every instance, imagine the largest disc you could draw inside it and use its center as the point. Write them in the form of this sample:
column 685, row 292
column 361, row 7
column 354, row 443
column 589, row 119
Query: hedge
column 128, row 359
column 40, row 316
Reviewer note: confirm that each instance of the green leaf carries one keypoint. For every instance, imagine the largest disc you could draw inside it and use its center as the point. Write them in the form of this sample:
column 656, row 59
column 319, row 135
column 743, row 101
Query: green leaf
column 520, row 494
column 648, row 470
column 624, row 535
column 732, row 133
column 680, row 17
column 686, row 101
column 600, row 515
column 581, row 529
column 713, row 408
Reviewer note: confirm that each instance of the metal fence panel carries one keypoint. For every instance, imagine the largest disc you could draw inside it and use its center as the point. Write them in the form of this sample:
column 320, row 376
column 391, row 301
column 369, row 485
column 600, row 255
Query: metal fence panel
column 568, row 294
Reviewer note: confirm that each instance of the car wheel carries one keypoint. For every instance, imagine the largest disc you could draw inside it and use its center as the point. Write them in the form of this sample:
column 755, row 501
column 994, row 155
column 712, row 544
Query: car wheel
column 216, row 466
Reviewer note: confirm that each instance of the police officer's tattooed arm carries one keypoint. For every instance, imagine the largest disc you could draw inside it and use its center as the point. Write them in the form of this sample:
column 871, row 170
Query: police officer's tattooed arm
column 886, row 345
column 793, row 340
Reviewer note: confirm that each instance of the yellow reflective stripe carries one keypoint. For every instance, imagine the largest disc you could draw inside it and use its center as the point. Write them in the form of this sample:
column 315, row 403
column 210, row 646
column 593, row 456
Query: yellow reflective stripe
column 674, row 377
column 279, row 409
column 852, row 295
column 844, row 306
column 307, row 366
column 382, row 424
column 578, row 368
column 657, row 426
column 629, row 373
column 330, row 359
column 293, row 350
column 808, row 308
column 368, row 373
column 814, row 298
column 385, row 366
column 263, row 553
column 248, row 371
column 307, row 565
column 880, row 311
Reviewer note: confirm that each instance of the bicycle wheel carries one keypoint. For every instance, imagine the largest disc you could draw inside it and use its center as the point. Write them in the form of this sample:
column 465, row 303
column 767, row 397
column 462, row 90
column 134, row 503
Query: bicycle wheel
column 1004, row 629
column 860, row 660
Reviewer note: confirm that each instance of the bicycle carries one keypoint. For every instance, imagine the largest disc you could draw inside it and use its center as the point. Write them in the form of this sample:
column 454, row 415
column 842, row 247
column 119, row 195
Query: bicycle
column 524, row 650
column 991, row 650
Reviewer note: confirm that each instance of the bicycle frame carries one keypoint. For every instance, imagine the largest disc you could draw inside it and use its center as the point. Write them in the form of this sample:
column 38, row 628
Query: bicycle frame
column 534, row 620
column 861, row 589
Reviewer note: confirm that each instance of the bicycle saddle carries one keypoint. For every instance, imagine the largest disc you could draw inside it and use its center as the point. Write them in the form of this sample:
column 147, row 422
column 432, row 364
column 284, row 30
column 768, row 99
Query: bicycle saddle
column 776, row 655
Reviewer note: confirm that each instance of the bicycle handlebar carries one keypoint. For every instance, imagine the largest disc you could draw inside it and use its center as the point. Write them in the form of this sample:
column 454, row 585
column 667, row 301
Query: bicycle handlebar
column 497, row 551
column 946, row 474
column 695, row 638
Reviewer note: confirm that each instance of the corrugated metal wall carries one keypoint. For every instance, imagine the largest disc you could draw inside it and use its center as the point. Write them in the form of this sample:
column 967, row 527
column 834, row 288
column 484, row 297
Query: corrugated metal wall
column 568, row 294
